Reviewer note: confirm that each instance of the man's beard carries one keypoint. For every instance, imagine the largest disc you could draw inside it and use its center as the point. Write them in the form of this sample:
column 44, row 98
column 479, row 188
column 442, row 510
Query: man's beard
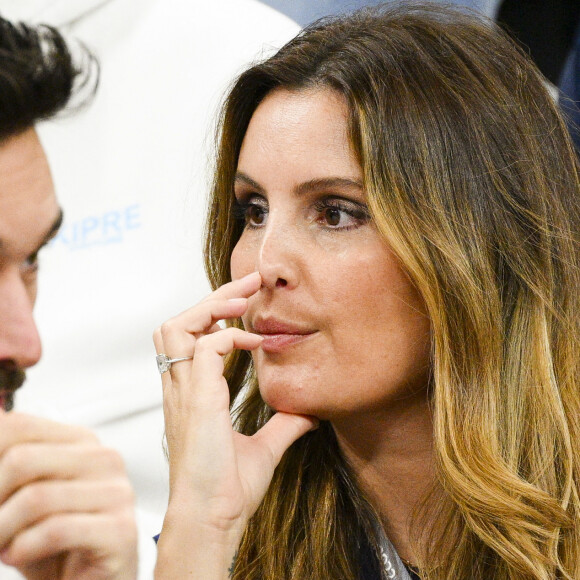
column 10, row 381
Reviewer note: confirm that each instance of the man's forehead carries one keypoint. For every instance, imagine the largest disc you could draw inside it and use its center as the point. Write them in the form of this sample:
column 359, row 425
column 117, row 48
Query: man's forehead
column 28, row 205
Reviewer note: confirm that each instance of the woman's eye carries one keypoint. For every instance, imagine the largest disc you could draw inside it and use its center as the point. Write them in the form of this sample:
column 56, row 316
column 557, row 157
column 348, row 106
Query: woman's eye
column 339, row 214
column 251, row 213
column 255, row 215
column 332, row 216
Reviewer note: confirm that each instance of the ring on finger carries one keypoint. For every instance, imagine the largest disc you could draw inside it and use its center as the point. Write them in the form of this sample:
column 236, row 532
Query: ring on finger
column 164, row 362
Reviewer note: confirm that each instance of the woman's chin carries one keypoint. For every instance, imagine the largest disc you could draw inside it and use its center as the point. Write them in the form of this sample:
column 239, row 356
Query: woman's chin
column 285, row 399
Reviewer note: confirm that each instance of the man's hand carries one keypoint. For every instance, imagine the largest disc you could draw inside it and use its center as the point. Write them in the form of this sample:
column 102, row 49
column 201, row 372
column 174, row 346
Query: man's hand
column 66, row 505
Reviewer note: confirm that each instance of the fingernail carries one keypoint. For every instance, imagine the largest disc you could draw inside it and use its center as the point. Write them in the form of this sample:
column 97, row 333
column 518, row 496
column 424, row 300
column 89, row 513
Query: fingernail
column 316, row 424
column 251, row 275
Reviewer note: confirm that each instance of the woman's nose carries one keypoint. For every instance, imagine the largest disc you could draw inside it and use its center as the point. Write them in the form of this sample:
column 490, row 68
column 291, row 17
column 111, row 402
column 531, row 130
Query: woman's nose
column 279, row 256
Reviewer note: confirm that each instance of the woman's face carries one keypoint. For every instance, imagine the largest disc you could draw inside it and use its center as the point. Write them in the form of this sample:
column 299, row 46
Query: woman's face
column 345, row 330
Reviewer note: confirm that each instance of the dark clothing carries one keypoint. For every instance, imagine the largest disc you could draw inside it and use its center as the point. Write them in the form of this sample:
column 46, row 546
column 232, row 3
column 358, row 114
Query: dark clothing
column 370, row 566
column 547, row 29
column 551, row 32
column 570, row 87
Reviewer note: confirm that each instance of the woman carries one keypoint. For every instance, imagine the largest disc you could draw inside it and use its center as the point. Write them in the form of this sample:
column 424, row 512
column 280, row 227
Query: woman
column 392, row 237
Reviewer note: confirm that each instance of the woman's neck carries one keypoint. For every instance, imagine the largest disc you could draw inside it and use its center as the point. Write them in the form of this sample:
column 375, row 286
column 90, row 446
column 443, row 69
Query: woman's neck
column 391, row 454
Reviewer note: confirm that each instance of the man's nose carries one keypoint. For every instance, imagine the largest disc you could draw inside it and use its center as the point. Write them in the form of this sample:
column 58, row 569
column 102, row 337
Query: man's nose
column 19, row 339
column 279, row 255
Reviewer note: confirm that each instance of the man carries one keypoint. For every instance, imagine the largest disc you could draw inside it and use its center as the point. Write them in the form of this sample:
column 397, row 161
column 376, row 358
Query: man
column 66, row 506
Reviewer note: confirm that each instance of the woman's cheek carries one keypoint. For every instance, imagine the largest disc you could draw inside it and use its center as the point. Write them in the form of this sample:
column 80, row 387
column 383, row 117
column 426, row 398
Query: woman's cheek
column 238, row 261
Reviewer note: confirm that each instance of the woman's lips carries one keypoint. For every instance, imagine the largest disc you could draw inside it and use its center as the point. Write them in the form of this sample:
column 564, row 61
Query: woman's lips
column 273, row 343
column 278, row 335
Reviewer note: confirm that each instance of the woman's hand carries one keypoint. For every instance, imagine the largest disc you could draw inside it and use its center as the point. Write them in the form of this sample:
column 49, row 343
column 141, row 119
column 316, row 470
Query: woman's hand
column 66, row 505
column 217, row 476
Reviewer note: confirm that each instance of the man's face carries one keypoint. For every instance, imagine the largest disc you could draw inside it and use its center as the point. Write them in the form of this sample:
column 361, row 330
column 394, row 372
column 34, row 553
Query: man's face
column 29, row 218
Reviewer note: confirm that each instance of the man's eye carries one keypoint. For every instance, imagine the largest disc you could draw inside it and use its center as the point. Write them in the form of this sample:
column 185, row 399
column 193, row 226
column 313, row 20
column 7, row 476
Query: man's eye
column 31, row 263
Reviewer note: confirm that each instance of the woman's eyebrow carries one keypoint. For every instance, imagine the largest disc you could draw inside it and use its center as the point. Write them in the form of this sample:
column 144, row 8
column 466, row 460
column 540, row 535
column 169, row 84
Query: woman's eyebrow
column 244, row 179
column 328, row 183
column 306, row 187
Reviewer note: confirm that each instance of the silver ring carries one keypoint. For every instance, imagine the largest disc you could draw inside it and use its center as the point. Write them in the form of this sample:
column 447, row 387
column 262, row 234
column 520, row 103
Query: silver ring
column 164, row 362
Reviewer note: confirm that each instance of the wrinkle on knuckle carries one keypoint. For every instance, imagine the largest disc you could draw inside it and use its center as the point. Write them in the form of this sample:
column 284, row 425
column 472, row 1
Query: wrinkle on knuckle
column 237, row 332
column 168, row 328
column 17, row 460
column 34, row 500
column 202, row 343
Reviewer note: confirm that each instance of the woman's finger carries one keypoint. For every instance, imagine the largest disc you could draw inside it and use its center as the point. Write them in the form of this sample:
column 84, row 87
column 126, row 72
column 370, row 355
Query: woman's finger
column 206, row 385
column 228, row 301
column 197, row 418
column 179, row 334
column 281, row 431
column 176, row 338
column 211, row 348
column 202, row 316
column 245, row 287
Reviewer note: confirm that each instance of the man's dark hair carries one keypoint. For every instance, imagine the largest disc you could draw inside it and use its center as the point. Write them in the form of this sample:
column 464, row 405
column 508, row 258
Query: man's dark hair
column 39, row 76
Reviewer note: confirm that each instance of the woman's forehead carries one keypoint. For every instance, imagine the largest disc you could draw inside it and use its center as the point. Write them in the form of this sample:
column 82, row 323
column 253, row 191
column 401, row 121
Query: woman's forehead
column 301, row 135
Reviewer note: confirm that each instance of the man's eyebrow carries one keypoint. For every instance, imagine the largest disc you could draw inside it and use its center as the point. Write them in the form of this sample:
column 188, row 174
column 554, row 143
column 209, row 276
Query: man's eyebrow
column 51, row 233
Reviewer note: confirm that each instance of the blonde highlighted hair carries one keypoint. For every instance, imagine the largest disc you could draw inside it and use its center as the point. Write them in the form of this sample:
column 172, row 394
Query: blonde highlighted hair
column 472, row 179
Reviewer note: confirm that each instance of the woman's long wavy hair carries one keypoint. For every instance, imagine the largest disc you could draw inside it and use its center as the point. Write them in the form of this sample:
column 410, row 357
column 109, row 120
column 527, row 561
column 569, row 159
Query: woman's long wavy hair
column 472, row 180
